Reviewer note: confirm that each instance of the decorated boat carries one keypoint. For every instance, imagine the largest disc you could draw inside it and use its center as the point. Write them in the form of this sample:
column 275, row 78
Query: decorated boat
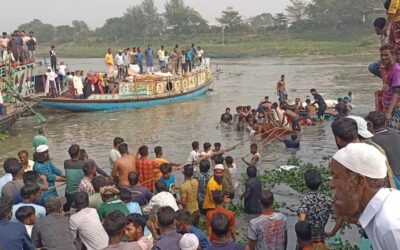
column 141, row 91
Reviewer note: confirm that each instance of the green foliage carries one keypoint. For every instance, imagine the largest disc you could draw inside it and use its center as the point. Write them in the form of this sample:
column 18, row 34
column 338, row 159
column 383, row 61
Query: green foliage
column 295, row 177
column 280, row 21
column 4, row 136
column 297, row 10
column 231, row 19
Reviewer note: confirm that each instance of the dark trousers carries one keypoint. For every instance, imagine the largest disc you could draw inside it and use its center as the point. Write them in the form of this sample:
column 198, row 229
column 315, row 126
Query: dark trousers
column 189, row 65
column 70, row 198
column 321, row 111
column 53, row 63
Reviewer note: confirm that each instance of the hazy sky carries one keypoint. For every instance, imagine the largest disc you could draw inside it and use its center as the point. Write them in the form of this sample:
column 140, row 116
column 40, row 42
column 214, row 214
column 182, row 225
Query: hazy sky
column 95, row 12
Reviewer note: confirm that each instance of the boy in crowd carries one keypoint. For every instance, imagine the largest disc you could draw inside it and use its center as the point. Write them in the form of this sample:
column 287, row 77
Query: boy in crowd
column 169, row 238
column 29, row 194
column 232, row 170
column 95, row 199
column 220, row 225
column 252, row 193
column 269, row 230
column 184, row 223
column 166, row 170
column 315, row 207
column 203, row 177
column 26, row 215
column 304, row 237
column 219, row 199
column 89, row 170
column 189, row 191
column 255, row 156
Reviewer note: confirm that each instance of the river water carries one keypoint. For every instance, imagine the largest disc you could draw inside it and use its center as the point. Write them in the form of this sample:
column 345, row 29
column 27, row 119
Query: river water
column 175, row 126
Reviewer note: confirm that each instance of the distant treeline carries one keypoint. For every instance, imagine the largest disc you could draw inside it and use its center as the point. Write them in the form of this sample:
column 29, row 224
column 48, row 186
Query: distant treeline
column 143, row 22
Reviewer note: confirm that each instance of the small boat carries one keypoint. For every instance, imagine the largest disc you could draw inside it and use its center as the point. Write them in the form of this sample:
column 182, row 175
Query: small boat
column 7, row 121
column 141, row 91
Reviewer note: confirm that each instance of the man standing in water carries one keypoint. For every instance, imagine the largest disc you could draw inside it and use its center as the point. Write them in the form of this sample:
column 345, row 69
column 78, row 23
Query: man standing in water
column 391, row 94
column 321, row 104
column 114, row 153
column 123, row 166
column 281, row 89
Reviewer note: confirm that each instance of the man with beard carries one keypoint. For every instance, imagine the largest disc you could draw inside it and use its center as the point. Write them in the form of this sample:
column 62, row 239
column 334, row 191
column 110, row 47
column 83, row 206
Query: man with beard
column 358, row 178
column 215, row 183
column 345, row 131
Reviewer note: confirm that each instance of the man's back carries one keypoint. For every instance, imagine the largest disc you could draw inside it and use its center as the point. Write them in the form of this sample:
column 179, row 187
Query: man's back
column 390, row 142
column 53, row 232
column 14, row 236
column 74, row 174
column 268, row 230
column 12, row 187
column 123, row 166
column 140, row 194
column 145, row 168
column 39, row 140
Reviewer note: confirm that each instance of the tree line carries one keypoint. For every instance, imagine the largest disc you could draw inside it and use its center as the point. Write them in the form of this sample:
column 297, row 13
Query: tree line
column 144, row 22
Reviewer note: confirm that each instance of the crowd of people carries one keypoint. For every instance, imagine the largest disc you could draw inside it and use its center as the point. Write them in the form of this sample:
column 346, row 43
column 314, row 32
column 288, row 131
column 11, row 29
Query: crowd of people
column 17, row 47
column 184, row 59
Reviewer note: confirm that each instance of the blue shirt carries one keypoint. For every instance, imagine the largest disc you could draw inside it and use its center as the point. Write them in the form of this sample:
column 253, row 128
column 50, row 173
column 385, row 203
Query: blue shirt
column 49, row 170
column 203, row 240
column 3, row 180
column 39, row 210
column 169, row 182
column 188, row 55
column 291, row 144
column 138, row 58
column 13, row 236
column 134, row 208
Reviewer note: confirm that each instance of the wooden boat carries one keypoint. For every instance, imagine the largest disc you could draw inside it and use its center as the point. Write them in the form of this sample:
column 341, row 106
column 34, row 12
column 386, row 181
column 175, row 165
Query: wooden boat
column 142, row 91
column 7, row 121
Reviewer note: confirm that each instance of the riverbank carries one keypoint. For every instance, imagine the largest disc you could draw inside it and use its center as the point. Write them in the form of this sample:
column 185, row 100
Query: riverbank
column 234, row 47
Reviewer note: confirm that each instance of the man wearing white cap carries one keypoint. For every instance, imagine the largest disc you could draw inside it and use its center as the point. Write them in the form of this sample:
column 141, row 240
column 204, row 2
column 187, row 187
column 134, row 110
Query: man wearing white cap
column 189, row 242
column 215, row 183
column 358, row 178
column 362, row 126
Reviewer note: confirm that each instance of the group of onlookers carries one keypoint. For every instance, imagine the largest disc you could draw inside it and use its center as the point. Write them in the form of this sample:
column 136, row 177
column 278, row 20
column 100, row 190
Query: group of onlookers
column 17, row 48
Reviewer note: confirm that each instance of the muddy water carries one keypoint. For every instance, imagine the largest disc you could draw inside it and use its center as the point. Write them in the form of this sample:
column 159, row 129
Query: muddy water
column 175, row 126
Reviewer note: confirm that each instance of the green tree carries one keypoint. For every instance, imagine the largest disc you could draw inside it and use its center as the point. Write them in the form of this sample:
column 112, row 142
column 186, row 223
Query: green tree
column 231, row 19
column 260, row 22
column 153, row 24
column 297, row 10
column 280, row 21
column 45, row 33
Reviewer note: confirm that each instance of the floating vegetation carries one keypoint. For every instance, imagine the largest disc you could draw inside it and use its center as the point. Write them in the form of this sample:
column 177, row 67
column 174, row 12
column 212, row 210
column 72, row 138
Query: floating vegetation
column 4, row 136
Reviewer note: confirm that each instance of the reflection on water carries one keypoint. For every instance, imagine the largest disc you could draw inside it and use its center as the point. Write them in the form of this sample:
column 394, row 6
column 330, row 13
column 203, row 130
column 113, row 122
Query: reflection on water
column 175, row 126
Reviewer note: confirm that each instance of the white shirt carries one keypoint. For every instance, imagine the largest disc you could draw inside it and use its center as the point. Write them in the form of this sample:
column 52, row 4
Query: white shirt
column 161, row 55
column 1, row 98
column 118, row 60
column 381, row 220
column 61, row 69
column 78, row 85
column 114, row 155
column 194, row 156
column 161, row 199
column 233, row 173
column 88, row 225
column 3, row 180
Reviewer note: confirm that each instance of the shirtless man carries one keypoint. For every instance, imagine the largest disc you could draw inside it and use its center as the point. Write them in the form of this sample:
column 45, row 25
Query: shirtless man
column 123, row 166
column 279, row 116
column 311, row 110
column 281, row 89
column 292, row 117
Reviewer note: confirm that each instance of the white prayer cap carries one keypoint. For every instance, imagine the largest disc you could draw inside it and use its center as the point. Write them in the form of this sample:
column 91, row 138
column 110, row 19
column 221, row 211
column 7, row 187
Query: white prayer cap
column 219, row 166
column 362, row 126
column 42, row 148
column 363, row 159
column 189, row 242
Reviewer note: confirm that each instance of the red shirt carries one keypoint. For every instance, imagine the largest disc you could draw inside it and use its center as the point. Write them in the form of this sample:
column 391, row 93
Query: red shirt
column 220, row 210
column 145, row 168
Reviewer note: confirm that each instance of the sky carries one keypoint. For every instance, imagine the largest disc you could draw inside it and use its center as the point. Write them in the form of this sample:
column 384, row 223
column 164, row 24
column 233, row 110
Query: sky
column 95, row 12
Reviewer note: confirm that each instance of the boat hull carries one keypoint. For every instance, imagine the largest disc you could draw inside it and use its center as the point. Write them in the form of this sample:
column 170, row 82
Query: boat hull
column 89, row 105
column 7, row 122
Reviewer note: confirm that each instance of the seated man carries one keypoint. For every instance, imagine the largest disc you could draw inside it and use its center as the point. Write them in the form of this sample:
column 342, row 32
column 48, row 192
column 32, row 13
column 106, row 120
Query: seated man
column 292, row 142
column 161, row 199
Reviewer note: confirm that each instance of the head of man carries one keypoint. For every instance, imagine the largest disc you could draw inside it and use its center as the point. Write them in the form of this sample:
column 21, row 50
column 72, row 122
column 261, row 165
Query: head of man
column 166, row 219
column 22, row 33
column 109, row 50
column 218, row 197
column 26, row 215
column 5, row 208
column 253, row 148
column 81, row 200
column 158, row 151
column 206, row 146
column 120, row 52
column 4, row 34
column 134, row 229
column 74, row 151
column 161, row 186
column 313, row 91
column 219, row 173
column 220, row 225
column 188, row 171
column 303, row 232
column 30, row 192
column 345, row 131
column 195, row 145
column 362, row 128
column 144, row 151
column 251, row 172
column 123, row 149
column 31, row 33
column 282, row 77
column 133, row 178
column 30, row 177
column 266, row 199
column 358, row 172
column 89, row 170
column 114, row 224
column 204, row 166
column 83, row 155
column 184, row 221
column 166, row 170
column 12, row 166
column 379, row 24
column 99, row 182
column 313, row 179
column 108, row 192
column 377, row 119
column 387, row 55
column 53, row 205
column 117, row 142
column 23, row 156
column 274, row 105
column 227, row 110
